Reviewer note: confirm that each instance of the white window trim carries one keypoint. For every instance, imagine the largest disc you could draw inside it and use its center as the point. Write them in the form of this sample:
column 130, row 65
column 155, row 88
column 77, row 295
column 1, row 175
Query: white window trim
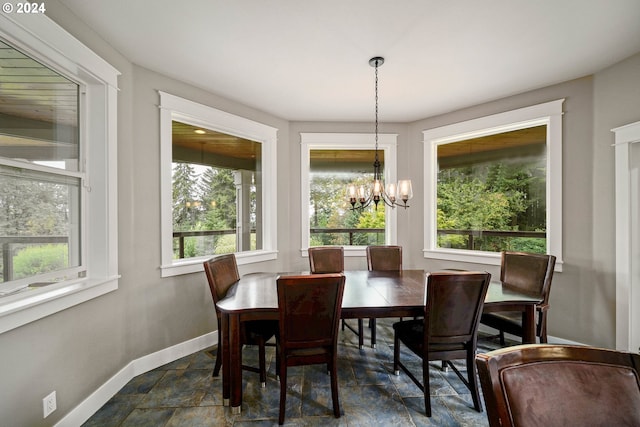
column 175, row 108
column 347, row 141
column 627, row 241
column 549, row 114
column 44, row 40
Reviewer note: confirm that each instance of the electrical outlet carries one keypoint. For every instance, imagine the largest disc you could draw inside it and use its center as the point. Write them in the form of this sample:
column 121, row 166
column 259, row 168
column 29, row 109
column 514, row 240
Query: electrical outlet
column 49, row 404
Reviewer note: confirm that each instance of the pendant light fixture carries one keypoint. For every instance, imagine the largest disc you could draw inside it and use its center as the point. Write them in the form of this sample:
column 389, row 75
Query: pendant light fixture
column 361, row 196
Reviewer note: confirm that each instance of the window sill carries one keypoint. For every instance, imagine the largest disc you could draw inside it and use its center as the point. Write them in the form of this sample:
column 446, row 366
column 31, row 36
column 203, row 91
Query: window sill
column 194, row 265
column 30, row 305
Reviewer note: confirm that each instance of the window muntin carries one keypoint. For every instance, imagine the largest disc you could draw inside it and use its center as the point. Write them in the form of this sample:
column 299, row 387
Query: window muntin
column 491, row 192
column 216, row 190
column 547, row 116
column 336, row 159
column 254, row 171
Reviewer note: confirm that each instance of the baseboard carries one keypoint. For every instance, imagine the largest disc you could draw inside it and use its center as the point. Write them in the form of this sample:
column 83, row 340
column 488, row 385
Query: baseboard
column 551, row 339
column 98, row 398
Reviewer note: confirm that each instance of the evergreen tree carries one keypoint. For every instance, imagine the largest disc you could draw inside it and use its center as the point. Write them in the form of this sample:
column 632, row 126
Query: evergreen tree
column 185, row 208
column 219, row 199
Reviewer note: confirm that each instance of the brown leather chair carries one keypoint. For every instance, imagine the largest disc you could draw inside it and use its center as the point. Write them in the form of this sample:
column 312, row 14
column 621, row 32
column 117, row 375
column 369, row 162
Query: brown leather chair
column 382, row 258
column 531, row 273
column 326, row 259
column 560, row 385
column 222, row 273
column 310, row 307
column 449, row 330
column 330, row 259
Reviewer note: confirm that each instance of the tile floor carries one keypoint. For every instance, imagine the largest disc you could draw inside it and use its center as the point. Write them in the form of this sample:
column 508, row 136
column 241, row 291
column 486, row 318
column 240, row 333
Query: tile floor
column 183, row 393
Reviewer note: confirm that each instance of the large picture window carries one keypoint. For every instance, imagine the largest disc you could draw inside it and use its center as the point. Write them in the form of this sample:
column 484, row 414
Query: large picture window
column 330, row 162
column 58, row 183
column 493, row 185
column 217, row 190
column 218, row 186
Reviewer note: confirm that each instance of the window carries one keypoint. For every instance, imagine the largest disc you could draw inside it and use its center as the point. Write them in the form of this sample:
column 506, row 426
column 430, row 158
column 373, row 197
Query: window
column 58, row 200
column 218, row 186
column 331, row 161
column 494, row 184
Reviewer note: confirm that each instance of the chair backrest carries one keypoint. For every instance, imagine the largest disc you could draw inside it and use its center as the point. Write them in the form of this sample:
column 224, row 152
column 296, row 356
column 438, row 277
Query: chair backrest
column 384, row 258
column 326, row 259
column 560, row 385
column 310, row 307
column 222, row 272
column 454, row 306
column 527, row 272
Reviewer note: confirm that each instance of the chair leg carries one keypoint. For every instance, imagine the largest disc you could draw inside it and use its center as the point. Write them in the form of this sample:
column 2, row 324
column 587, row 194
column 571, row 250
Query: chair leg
column 543, row 331
column 502, row 338
column 360, row 333
column 283, row 393
column 372, row 325
column 473, row 380
column 396, row 353
column 425, row 382
column 216, row 369
column 262, row 363
column 334, row 388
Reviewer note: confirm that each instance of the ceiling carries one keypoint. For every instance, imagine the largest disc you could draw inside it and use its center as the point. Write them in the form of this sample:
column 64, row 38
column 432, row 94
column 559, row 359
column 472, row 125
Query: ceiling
column 309, row 60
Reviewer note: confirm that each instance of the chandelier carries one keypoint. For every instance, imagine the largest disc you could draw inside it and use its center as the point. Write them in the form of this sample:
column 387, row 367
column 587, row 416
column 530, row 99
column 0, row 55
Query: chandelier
column 361, row 196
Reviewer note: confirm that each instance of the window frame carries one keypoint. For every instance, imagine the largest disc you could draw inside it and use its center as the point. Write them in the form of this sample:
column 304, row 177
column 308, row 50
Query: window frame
column 549, row 114
column 387, row 143
column 43, row 40
column 172, row 108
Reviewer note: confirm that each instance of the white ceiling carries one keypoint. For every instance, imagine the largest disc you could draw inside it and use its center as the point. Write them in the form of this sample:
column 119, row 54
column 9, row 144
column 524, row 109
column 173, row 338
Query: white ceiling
column 309, row 60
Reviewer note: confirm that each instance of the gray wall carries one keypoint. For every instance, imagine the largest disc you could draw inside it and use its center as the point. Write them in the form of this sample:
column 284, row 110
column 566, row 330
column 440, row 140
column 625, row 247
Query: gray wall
column 76, row 351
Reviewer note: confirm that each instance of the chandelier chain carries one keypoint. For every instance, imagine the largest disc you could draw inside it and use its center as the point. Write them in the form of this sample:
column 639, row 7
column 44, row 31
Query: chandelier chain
column 376, row 99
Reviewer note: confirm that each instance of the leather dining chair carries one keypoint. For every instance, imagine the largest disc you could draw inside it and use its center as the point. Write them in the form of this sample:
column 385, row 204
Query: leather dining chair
column 382, row 258
column 449, row 330
column 222, row 273
column 326, row 259
column 330, row 259
column 560, row 385
column 530, row 273
column 309, row 307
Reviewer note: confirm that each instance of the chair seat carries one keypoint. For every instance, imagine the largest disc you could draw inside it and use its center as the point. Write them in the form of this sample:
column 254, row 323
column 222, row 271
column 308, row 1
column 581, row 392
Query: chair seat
column 410, row 330
column 507, row 321
column 411, row 333
column 254, row 331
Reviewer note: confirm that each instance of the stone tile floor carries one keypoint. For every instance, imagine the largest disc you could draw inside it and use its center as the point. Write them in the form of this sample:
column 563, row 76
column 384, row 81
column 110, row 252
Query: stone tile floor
column 183, row 392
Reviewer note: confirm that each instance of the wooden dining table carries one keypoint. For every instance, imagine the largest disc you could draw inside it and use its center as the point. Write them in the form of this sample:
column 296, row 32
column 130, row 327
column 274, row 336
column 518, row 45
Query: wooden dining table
column 367, row 294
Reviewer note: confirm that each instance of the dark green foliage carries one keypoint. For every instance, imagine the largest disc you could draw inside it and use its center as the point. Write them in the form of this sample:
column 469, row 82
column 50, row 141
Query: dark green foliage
column 497, row 196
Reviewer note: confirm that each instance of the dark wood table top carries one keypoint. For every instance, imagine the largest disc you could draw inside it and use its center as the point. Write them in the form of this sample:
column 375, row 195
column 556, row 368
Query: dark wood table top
column 363, row 290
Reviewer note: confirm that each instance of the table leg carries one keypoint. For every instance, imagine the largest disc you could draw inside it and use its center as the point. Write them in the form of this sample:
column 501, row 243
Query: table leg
column 224, row 330
column 235, row 364
column 529, row 324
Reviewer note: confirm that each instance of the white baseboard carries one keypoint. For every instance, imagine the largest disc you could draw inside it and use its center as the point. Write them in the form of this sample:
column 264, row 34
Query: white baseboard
column 551, row 339
column 98, row 398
